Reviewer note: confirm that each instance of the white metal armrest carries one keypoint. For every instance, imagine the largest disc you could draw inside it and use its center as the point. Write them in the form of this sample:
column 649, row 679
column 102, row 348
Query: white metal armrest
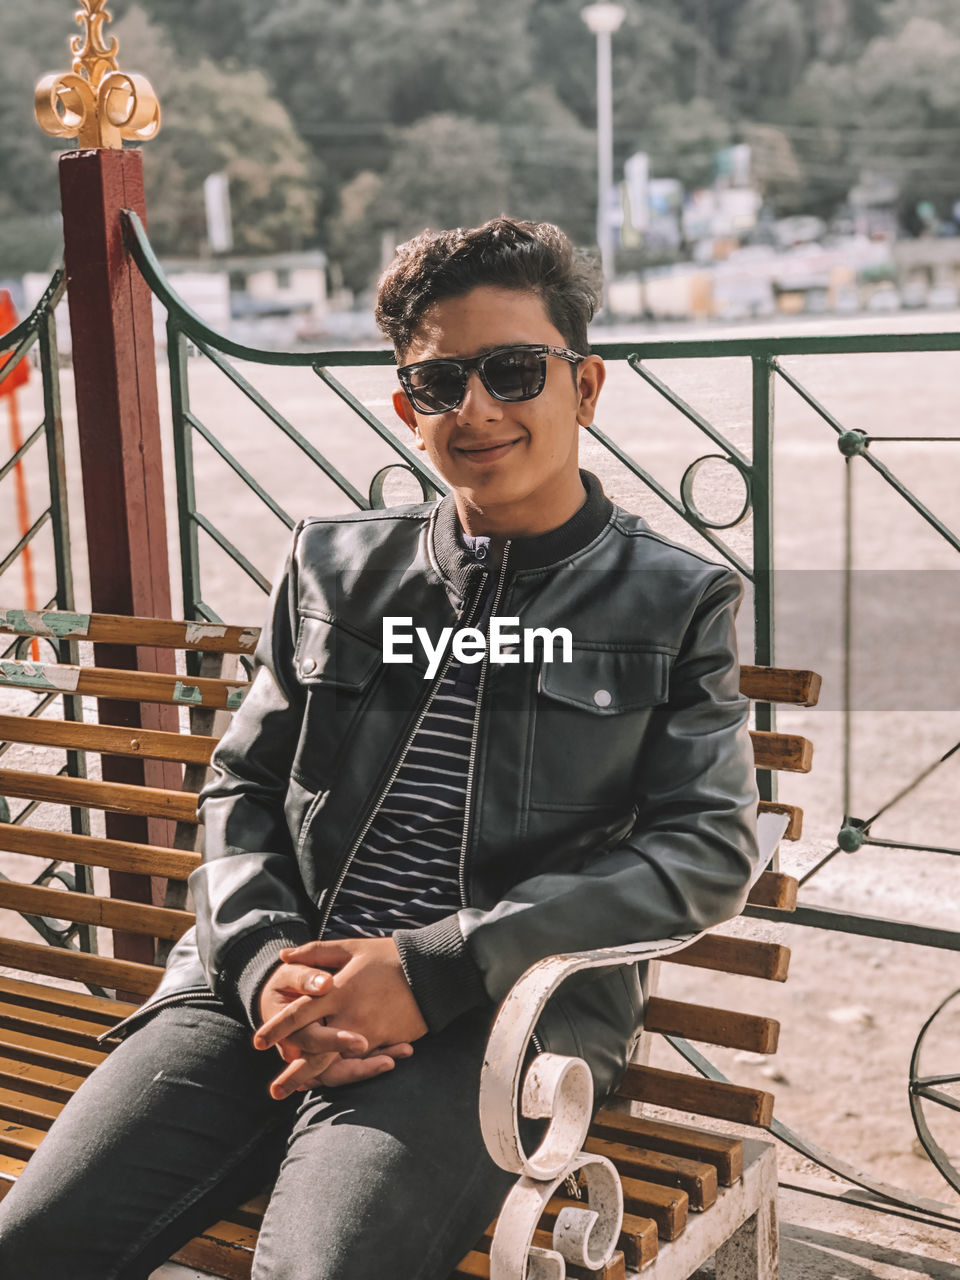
column 559, row 1089
column 564, row 1094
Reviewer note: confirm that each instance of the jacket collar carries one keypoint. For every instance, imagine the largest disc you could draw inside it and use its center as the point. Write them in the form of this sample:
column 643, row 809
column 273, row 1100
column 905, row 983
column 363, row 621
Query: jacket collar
column 537, row 552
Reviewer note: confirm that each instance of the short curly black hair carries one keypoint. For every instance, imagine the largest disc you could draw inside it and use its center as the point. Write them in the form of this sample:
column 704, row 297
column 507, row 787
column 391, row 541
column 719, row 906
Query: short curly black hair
column 534, row 257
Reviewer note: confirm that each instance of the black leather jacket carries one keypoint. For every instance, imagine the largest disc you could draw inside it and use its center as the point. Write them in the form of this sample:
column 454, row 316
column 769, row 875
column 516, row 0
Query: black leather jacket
column 611, row 800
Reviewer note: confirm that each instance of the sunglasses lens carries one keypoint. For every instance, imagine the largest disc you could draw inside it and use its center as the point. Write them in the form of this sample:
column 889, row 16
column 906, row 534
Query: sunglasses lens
column 437, row 386
column 516, row 374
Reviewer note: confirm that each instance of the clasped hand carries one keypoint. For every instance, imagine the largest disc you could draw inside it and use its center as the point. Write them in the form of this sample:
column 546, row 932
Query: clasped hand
column 338, row 1012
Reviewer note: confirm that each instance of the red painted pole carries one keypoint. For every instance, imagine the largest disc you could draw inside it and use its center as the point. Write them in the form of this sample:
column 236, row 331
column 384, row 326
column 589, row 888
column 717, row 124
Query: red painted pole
column 118, row 417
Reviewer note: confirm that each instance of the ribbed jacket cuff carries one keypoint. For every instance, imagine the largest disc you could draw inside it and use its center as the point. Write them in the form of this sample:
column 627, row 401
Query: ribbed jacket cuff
column 443, row 976
column 254, row 958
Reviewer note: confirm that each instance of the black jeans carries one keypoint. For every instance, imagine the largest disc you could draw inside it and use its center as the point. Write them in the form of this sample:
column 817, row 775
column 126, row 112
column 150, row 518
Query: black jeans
column 385, row 1177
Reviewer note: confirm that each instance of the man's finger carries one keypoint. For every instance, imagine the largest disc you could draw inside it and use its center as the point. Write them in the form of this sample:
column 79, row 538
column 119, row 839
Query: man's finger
column 394, row 1050
column 350, row 1070
column 292, row 977
column 302, row 1013
column 327, row 954
column 313, row 1039
column 299, row 1072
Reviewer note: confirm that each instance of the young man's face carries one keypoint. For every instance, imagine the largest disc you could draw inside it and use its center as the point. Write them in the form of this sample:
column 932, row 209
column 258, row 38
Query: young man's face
column 512, row 466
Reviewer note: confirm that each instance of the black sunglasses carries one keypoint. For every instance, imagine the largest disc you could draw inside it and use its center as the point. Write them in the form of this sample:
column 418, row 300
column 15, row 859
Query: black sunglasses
column 509, row 373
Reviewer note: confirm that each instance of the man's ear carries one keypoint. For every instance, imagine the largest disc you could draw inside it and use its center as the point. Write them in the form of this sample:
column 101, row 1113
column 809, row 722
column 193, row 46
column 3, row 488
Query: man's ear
column 590, row 379
column 404, row 410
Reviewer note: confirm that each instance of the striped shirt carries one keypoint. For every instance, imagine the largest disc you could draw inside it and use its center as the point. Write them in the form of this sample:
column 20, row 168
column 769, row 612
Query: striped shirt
column 406, row 872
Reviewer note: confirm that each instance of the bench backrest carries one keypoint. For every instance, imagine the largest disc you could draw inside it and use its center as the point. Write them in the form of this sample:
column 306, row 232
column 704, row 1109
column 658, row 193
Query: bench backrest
column 171, row 858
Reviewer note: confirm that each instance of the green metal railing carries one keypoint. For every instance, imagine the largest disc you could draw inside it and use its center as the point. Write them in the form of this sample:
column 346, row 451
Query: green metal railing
column 38, row 333
column 185, row 330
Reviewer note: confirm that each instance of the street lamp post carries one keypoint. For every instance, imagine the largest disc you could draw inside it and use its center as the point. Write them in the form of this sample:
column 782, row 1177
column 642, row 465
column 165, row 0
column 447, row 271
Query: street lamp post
column 603, row 20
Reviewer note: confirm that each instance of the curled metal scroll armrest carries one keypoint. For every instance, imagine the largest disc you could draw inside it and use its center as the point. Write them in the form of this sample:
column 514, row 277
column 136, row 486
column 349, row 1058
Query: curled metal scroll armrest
column 551, row 1088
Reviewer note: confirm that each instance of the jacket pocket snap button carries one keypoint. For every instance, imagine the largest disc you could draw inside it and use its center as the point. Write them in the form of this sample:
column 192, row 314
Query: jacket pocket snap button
column 602, row 698
column 309, row 665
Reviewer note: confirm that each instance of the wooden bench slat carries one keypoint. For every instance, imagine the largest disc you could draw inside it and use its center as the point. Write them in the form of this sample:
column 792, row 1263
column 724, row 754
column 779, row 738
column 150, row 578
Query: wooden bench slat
column 74, row 735
column 721, row 1150
column 117, row 797
column 793, row 812
column 774, row 889
column 95, row 851
column 19, row 1139
column 639, row 1239
column 114, row 628
column 667, row 1206
column 474, row 1265
column 56, row 1000
column 788, row 752
column 698, row 1179
column 734, row 1102
column 87, row 908
column 56, row 1083
column 58, row 1026
column 709, row 1025
column 477, row 1261
column 232, row 1260
column 10, row 1170
column 129, row 686
column 746, row 956
column 49, row 1053
column 28, row 1108
column 613, row 1270
column 780, row 684
column 78, row 966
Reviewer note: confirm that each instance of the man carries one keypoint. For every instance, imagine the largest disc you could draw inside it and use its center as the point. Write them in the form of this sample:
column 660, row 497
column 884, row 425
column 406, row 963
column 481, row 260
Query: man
column 394, row 833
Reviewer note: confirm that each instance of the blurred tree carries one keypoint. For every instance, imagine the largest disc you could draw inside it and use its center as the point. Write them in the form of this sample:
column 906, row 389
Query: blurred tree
column 445, row 171
column 774, row 166
column 893, row 113
column 34, row 38
column 769, row 52
column 338, row 64
column 214, row 29
column 355, row 231
column 897, row 13
column 219, row 121
column 339, row 119
column 552, row 163
column 683, row 139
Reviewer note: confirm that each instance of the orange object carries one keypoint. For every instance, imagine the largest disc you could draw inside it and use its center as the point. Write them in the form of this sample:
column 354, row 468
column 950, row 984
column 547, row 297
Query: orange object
column 21, row 374
column 8, row 388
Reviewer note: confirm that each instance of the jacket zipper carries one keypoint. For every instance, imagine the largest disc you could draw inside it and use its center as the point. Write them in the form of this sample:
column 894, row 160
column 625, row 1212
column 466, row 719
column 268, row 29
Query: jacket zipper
column 398, row 765
column 468, row 795
column 473, row 751
column 150, row 1007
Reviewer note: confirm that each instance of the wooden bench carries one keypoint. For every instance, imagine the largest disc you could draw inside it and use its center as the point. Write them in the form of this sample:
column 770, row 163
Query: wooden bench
column 687, row 1192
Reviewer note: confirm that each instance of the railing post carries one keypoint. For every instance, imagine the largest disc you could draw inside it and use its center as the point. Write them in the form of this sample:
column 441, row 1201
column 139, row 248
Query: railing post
column 118, row 419
column 118, row 416
column 763, row 549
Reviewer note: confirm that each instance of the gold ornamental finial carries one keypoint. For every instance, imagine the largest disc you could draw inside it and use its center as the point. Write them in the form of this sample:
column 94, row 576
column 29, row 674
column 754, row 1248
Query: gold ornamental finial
column 96, row 103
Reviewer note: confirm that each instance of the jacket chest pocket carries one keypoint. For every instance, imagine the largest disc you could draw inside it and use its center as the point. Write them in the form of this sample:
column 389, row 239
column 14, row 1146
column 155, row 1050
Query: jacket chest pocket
column 590, row 718
column 337, row 669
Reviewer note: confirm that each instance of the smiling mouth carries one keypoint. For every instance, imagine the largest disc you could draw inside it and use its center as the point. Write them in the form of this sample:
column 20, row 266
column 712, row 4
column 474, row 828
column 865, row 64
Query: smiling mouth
column 487, row 452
